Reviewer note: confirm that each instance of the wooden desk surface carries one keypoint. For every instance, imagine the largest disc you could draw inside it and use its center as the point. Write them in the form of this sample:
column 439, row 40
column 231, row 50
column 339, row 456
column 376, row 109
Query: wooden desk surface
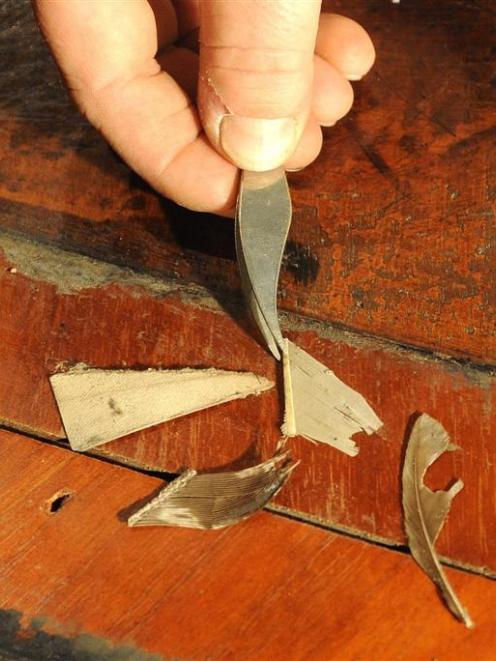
column 270, row 588
column 388, row 279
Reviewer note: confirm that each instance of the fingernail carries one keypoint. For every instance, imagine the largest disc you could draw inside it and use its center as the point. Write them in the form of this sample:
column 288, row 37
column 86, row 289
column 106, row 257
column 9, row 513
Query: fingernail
column 258, row 144
column 294, row 169
column 353, row 76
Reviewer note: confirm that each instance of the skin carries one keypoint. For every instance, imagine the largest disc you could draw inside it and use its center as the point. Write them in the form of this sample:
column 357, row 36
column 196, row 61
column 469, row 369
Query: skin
column 268, row 75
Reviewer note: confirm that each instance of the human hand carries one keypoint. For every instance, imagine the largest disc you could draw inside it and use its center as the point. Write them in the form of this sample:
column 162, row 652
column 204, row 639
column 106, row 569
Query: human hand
column 270, row 73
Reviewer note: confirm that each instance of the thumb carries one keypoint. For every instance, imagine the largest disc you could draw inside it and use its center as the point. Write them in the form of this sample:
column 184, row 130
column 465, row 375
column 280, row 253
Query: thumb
column 256, row 71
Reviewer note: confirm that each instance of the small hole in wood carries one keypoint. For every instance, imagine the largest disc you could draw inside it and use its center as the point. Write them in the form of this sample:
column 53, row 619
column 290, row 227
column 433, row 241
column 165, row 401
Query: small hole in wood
column 58, row 500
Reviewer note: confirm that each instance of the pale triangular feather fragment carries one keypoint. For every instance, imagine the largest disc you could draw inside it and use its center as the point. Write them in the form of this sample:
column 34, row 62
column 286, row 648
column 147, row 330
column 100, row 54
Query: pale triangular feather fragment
column 215, row 500
column 319, row 406
column 425, row 511
column 98, row 405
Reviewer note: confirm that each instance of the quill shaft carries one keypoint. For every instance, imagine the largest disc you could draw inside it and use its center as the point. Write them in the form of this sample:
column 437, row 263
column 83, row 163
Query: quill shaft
column 263, row 218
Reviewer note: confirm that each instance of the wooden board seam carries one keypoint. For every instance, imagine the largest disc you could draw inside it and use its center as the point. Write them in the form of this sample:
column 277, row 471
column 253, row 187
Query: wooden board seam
column 375, row 540
column 102, row 273
column 279, row 510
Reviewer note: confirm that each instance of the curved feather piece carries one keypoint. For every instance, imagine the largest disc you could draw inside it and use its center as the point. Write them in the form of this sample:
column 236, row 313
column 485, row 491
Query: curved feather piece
column 263, row 218
column 215, row 500
column 425, row 511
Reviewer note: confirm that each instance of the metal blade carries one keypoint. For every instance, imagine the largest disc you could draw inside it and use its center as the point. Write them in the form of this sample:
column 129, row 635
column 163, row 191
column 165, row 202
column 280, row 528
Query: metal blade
column 262, row 223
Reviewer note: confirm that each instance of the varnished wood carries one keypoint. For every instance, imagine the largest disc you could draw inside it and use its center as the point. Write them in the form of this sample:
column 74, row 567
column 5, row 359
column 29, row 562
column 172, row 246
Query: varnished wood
column 269, row 588
column 393, row 235
column 119, row 325
column 393, row 230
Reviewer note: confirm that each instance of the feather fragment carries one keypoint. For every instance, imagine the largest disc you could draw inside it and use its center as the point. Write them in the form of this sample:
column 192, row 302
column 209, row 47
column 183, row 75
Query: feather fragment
column 263, row 217
column 319, row 406
column 98, row 405
column 425, row 511
column 215, row 500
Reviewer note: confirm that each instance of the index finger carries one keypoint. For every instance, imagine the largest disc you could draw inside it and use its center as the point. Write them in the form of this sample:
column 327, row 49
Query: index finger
column 106, row 50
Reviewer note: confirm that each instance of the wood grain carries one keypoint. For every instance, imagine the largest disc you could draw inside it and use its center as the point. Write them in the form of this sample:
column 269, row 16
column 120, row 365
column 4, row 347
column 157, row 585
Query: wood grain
column 393, row 230
column 269, row 588
column 108, row 317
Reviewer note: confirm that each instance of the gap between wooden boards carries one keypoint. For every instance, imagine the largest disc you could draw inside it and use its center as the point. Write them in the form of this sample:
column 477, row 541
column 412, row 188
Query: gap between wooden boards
column 277, row 510
column 100, row 273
